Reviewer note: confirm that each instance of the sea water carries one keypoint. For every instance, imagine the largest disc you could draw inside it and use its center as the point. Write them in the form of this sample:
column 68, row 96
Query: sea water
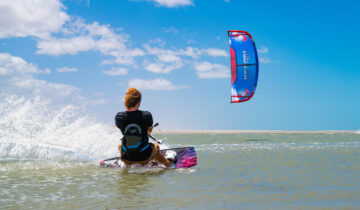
column 49, row 160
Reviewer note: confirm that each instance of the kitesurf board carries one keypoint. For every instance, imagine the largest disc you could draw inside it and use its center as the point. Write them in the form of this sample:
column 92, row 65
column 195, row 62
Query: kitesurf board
column 185, row 158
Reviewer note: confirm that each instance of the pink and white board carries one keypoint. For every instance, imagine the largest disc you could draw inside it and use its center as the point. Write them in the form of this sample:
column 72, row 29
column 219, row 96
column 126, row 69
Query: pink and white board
column 185, row 158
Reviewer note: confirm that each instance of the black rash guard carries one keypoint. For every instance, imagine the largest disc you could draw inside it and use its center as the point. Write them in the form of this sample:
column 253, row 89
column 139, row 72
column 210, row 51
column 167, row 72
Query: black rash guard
column 144, row 120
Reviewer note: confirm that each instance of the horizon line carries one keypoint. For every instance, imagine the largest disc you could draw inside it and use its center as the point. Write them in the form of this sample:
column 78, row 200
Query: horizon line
column 209, row 131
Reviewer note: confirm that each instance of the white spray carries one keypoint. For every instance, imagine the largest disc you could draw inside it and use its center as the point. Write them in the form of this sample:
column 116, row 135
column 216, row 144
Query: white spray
column 37, row 128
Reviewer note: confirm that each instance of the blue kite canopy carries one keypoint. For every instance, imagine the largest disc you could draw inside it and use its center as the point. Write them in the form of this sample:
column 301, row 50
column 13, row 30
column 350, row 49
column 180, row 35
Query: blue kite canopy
column 244, row 66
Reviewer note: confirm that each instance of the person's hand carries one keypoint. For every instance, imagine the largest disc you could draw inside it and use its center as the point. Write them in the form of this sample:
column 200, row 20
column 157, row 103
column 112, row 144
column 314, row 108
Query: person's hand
column 149, row 130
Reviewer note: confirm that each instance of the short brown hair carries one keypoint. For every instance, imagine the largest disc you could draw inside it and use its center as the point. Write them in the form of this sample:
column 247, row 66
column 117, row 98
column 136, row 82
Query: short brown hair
column 132, row 97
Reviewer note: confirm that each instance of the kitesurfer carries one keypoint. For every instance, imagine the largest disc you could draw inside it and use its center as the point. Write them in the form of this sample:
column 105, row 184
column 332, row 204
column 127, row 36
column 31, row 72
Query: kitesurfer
column 135, row 126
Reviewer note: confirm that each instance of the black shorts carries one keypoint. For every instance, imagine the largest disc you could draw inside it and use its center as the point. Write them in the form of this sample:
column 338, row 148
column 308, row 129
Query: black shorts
column 137, row 156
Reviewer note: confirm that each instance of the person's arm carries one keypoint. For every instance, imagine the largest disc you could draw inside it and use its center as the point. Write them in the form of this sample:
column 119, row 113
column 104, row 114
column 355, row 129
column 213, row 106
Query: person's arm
column 149, row 122
column 160, row 157
column 150, row 130
column 119, row 121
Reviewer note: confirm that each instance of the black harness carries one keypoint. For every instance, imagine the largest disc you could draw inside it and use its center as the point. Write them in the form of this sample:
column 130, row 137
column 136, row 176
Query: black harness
column 134, row 146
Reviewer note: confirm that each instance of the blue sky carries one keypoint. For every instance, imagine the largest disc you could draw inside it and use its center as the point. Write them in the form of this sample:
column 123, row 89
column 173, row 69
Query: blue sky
column 177, row 53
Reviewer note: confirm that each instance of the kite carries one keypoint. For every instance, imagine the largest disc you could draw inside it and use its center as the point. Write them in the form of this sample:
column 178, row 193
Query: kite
column 244, row 66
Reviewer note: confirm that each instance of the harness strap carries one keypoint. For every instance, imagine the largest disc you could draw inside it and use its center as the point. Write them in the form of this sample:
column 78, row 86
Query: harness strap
column 135, row 146
column 133, row 125
column 144, row 148
column 122, row 146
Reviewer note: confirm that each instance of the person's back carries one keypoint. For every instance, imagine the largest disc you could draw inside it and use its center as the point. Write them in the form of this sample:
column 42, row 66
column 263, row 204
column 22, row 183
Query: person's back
column 135, row 126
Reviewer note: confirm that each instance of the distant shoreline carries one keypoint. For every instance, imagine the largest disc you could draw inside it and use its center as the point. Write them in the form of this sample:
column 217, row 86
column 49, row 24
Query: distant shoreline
column 247, row 131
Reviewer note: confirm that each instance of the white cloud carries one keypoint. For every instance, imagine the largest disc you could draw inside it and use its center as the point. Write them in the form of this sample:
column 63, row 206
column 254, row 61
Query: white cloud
column 125, row 57
column 60, row 34
column 157, row 41
column 174, row 3
column 264, row 60
column 98, row 102
column 168, row 58
column 72, row 46
column 206, row 70
column 81, row 37
column 155, row 84
column 17, row 76
column 170, row 29
column 116, row 71
column 42, row 87
column 216, row 52
column 158, row 51
column 159, row 67
column 98, row 93
column 263, row 49
column 195, row 52
column 39, row 18
column 12, row 65
column 67, row 69
column 189, row 51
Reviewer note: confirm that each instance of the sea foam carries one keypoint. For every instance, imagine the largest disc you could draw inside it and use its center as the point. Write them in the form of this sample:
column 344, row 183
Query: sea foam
column 37, row 128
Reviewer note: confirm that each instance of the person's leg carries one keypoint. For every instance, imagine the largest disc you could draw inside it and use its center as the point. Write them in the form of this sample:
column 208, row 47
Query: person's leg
column 127, row 163
column 119, row 148
column 160, row 157
column 156, row 154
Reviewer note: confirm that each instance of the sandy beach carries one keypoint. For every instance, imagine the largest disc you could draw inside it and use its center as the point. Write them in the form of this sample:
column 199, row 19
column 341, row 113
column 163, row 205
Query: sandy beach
column 247, row 131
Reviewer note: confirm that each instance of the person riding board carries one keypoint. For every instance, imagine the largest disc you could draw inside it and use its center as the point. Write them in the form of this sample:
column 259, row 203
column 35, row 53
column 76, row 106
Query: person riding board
column 136, row 126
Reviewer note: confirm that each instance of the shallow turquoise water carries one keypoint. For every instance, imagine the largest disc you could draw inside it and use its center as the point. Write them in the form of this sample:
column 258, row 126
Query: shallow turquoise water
column 242, row 171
